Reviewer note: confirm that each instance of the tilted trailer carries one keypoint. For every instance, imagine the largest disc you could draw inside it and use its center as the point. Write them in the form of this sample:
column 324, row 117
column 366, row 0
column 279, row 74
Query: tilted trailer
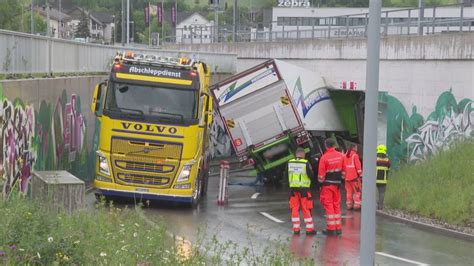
column 273, row 108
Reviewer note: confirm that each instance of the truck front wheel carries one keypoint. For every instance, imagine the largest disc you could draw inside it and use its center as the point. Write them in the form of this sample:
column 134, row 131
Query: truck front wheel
column 196, row 197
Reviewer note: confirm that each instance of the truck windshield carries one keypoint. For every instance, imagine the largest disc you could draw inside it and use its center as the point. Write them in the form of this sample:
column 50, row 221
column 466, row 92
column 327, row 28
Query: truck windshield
column 151, row 102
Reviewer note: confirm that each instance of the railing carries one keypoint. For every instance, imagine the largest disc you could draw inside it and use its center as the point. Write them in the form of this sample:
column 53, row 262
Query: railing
column 407, row 21
column 22, row 53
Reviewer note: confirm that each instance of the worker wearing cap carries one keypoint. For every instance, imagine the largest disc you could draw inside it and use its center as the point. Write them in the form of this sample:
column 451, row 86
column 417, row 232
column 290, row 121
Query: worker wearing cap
column 383, row 167
column 299, row 179
column 353, row 178
column 331, row 173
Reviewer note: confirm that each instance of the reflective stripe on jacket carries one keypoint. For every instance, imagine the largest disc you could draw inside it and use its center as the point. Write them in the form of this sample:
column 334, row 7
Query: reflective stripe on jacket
column 297, row 174
column 332, row 167
column 383, row 167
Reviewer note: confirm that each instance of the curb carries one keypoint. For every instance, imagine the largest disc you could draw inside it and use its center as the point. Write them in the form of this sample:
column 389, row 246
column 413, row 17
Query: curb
column 430, row 228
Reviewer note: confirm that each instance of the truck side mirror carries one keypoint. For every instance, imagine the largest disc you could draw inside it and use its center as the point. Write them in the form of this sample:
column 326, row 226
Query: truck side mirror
column 97, row 98
column 209, row 108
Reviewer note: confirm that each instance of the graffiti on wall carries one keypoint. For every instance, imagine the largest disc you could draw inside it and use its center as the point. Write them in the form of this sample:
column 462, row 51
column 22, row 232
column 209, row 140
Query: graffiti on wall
column 411, row 137
column 46, row 138
column 220, row 141
column 17, row 135
column 69, row 130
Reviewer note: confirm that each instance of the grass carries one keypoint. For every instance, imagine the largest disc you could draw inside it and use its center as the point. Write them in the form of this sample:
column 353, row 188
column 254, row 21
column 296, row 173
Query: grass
column 441, row 187
column 32, row 235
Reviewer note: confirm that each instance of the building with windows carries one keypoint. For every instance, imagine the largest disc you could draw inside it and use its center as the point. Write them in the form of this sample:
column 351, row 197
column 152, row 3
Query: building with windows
column 295, row 22
column 193, row 27
column 101, row 24
column 59, row 22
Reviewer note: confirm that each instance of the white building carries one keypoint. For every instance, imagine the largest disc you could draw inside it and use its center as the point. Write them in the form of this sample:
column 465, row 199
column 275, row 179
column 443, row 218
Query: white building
column 286, row 21
column 193, row 27
column 101, row 24
column 59, row 23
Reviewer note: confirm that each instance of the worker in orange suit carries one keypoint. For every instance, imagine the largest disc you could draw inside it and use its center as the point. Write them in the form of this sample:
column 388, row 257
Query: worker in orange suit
column 299, row 180
column 353, row 178
column 331, row 173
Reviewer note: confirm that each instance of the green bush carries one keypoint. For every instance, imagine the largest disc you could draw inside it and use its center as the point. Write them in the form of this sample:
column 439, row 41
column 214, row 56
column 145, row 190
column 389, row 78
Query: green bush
column 32, row 235
column 441, row 187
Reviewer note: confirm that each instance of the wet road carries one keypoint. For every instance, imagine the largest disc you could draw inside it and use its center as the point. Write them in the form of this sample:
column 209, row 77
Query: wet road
column 258, row 217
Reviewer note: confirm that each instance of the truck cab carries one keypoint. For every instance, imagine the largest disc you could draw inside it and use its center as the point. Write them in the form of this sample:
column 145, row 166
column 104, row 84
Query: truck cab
column 154, row 115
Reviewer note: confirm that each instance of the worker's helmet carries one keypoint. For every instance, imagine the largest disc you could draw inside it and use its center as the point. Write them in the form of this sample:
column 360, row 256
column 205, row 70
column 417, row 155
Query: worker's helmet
column 382, row 149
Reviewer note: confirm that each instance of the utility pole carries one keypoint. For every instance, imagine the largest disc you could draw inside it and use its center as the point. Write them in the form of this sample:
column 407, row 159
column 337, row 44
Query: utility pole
column 128, row 22
column 60, row 20
column 367, row 234
column 421, row 16
column 48, row 26
column 32, row 17
column 234, row 33
column 123, row 22
column 216, row 20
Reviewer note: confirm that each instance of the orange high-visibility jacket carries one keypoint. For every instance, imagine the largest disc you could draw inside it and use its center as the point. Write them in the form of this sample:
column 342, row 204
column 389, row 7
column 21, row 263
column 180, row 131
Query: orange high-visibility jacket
column 353, row 166
column 332, row 167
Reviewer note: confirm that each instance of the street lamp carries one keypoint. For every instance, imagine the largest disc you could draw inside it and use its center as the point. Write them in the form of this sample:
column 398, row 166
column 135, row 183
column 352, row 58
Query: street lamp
column 113, row 29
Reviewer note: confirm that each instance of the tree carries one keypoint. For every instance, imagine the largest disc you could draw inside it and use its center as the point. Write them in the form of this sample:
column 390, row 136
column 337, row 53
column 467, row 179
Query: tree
column 82, row 30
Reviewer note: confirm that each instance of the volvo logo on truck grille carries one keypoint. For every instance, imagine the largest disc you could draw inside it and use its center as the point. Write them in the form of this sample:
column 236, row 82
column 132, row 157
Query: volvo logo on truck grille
column 149, row 128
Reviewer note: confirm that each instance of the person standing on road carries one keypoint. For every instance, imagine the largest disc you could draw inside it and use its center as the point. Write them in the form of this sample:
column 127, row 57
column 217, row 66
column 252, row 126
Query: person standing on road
column 353, row 178
column 299, row 179
column 331, row 173
column 383, row 167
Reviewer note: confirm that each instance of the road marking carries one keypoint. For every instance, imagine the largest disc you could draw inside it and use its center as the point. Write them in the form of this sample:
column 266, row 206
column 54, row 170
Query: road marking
column 254, row 196
column 401, row 259
column 271, row 217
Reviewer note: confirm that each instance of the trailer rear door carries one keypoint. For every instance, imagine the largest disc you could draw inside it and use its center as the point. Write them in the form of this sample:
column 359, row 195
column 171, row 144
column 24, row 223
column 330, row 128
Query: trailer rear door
column 256, row 107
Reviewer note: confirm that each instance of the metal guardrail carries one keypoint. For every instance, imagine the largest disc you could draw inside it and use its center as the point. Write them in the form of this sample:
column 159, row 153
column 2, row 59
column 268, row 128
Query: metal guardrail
column 433, row 21
column 22, row 53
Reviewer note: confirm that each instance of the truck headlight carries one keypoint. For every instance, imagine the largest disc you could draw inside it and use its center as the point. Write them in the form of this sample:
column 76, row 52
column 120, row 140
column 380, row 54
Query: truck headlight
column 184, row 174
column 103, row 165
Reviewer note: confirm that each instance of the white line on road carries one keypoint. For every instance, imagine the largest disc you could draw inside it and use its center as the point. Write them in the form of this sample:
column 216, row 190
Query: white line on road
column 271, row 217
column 254, row 196
column 401, row 259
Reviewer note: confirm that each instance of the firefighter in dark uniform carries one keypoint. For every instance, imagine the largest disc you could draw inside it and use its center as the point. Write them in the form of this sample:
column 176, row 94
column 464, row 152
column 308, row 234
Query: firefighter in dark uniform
column 383, row 167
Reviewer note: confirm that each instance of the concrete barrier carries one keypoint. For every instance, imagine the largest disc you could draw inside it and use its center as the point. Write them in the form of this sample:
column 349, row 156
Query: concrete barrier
column 59, row 190
column 26, row 53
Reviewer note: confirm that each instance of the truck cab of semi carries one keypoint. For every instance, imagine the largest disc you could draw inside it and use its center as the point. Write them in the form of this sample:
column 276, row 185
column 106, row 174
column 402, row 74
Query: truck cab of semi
column 154, row 114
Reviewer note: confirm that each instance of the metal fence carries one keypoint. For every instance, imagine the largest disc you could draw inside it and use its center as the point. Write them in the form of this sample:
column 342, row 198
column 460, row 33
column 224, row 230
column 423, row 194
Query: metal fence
column 22, row 53
column 407, row 21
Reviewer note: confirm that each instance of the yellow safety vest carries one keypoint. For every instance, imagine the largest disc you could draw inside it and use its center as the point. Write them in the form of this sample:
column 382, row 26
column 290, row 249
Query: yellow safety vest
column 382, row 172
column 297, row 176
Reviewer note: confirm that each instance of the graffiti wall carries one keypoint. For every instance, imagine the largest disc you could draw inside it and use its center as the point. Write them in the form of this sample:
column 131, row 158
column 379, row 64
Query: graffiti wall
column 412, row 137
column 44, row 127
column 220, row 141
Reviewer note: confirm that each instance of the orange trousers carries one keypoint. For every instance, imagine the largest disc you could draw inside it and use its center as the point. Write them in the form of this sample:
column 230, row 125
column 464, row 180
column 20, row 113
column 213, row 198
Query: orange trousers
column 305, row 202
column 330, row 198
column 353, row 190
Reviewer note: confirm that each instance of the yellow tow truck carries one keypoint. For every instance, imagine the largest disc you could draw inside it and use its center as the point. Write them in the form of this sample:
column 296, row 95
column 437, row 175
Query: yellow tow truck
column 155, row 114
